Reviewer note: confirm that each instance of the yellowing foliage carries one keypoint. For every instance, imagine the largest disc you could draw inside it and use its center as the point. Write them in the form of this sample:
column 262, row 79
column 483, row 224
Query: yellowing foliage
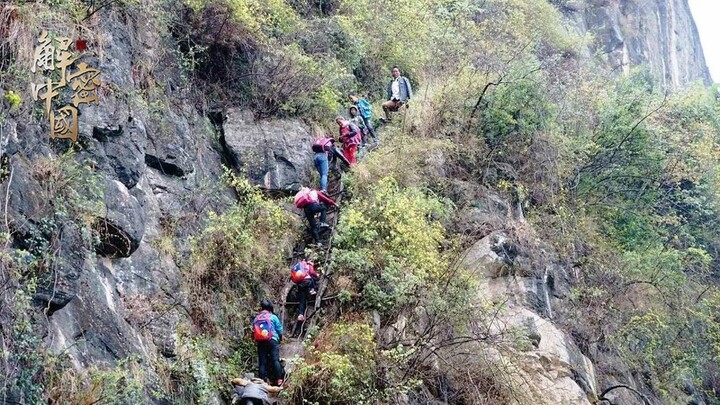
column 389, row 242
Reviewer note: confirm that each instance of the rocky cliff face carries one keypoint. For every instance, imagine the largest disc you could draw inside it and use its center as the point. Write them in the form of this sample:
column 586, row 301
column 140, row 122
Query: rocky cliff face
column 156, row 167
column 660, row 34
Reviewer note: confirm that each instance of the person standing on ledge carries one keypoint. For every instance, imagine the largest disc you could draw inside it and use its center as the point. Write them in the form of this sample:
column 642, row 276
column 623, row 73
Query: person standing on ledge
column 399, row 92
column 267, row 332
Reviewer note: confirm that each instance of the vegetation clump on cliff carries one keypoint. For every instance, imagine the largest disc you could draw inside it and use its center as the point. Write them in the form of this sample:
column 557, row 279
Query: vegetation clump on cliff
column 619, row 180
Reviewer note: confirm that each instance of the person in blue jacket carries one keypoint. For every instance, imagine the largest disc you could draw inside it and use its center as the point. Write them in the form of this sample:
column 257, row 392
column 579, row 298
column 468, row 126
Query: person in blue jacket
column 399, row 92
column 365, row 110
column 268, row 331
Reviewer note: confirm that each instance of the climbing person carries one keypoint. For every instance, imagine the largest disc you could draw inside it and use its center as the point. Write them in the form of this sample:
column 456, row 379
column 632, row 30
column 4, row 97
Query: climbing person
column 325, row 153
column 252, row 391
column 365, row 114
column 311, row 201
column 303, row 274
column 267, row 332
column 399, row 92
column 350, row 136
column 355, row 118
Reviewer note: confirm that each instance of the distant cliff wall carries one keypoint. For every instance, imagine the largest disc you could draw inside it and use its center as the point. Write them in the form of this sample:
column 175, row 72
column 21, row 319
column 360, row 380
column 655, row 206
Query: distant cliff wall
column 660, row 34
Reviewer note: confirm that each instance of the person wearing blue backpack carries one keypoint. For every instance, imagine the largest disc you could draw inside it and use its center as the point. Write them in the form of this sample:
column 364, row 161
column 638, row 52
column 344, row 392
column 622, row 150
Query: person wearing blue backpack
column 267, row 332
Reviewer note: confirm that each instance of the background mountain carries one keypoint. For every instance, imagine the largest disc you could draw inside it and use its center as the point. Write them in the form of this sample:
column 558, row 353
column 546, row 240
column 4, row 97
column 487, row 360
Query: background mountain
column 540, row 225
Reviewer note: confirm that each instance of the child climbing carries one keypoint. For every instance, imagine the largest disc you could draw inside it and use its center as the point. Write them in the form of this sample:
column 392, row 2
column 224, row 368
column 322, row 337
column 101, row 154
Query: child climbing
column 267, row 332
column 350, row 136
column 357, row 120
column 365, row 110
column 304, row 276
column 312, row 202
column 325, row 153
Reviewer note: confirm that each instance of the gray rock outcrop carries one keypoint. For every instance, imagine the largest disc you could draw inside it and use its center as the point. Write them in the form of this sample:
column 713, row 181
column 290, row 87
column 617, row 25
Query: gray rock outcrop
column 274, row 154
column 552, row 370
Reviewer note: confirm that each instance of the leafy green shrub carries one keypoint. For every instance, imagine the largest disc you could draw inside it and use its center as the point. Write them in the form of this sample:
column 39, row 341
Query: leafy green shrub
column 261, row 21
column 13, row 98
column 20, row 358
column 339, row 368
column 237, row 253
column 389, row 244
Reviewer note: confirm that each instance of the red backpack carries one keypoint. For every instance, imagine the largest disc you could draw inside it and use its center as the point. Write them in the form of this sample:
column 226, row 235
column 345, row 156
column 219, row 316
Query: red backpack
column 262, row 327
column 299, row 272
column 305, row 196
column 322, row 144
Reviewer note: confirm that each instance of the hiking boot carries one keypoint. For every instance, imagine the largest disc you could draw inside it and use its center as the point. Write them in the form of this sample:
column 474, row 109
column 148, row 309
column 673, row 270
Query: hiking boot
column 319, row 245
column 324, row 225
column 325, row 192
column 301, row 318
column 385, row 120
column 313, row 292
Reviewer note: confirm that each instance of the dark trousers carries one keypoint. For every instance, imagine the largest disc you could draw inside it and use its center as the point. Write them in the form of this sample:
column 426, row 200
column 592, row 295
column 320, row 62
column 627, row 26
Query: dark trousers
column 269, row 352
column 303, row 293
column 310, row 211
column 251, row 401
column 368, row 126
column 337, row 154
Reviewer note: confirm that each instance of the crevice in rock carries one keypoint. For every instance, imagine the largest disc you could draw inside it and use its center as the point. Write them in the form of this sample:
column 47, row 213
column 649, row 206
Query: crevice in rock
column 104, row 134
column 51, row 302
column 217, row 119
column 114, row 242
column 165, row 167
column 168, row 352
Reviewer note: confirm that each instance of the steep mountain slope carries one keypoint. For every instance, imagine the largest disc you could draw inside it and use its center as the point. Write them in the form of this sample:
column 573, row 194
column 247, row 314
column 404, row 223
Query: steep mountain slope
column 530, row 230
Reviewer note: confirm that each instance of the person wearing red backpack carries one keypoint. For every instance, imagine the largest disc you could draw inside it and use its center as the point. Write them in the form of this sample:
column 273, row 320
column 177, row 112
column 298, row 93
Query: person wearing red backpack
column 351, row 136
column 303, row 274
column 267, row 332
column 325, row 152
column 311, row 201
